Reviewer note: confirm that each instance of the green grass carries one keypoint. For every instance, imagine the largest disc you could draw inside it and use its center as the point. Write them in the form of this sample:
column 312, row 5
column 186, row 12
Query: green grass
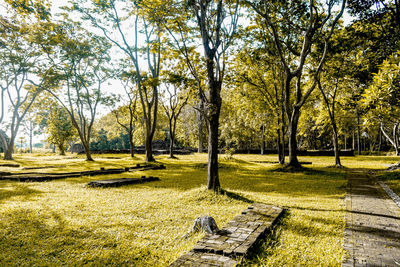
column 63, row 222
column 392, row 179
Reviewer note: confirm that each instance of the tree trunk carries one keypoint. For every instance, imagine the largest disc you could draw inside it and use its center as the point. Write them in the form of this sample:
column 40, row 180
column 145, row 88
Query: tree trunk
column 172, row 124
column 9, row 151
column 263, row 139
column 213, row 178
column 293, row 122
column 358, row 135
column 380, row 140
column 61, row 147
column 4, row 143
column 279, row 145
column 87, row 151
column 396, row 138
column 336, row 145
column 171, row 147
column 149, row 149
column 282, row 158
column 200, row 129
column 131, row 145
column 30, row 137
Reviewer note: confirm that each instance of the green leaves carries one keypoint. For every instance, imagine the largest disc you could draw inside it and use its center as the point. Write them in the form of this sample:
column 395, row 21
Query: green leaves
column 382, row 97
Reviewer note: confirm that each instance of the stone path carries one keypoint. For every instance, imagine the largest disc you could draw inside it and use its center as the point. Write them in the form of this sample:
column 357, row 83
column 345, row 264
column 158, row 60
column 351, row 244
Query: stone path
column 232, row 242
column 372, row 235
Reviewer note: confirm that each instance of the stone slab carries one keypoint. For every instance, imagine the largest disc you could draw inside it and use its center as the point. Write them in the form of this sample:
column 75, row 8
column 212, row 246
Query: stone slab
column 122, row 181
column 13, row 165
column 40, row 177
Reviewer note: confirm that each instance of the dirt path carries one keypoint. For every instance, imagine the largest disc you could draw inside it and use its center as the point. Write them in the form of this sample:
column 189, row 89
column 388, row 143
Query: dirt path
column 372, row 236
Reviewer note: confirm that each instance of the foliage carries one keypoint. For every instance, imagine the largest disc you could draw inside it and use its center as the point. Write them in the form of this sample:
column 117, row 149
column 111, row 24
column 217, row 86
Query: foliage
column 60, row 129
column 81, row 59
column 382, row 100
column 382, row 97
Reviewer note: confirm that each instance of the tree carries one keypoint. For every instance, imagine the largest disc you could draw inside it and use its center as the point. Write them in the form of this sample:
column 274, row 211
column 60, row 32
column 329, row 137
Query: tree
column 111, row 15
column 29, row 129
column 175, row 96
column 81, row 72
column 21, row 62
column 332, row 84
column 257, row 69
column 127, row 115
column 310, row 22
column 382, row 100
column 213, row 24
column 60, row 129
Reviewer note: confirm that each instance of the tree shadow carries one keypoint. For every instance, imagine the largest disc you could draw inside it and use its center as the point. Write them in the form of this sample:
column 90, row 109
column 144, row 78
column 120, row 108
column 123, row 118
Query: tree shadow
column 17, row 190
column 235, row 196
column 48, row 239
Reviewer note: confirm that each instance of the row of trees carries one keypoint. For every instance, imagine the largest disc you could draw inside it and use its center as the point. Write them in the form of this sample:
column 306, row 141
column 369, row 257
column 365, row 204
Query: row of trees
column 268, row 61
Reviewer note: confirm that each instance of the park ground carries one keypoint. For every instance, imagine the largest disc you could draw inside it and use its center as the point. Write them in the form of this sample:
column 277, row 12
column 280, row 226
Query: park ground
column 63, row 222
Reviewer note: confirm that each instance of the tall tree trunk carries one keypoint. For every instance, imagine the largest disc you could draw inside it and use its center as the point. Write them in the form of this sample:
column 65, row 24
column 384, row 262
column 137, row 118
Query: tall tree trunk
column 172, row 125
column 396, row 138
column 213, row 177
column 4, row 143
column 293, row 122
column 88, row 154
column 9, row 151
column 282, row 158
column 61, row 147
column 279, row 145
column 380, row 140
column 213, row 112
column 336, row 145
column 151, row 123
column 171, row 148
column 263, row 139
column 358, row 135
column 30, row 137
column 149, row 149
column 200, row 148
column 131, row 145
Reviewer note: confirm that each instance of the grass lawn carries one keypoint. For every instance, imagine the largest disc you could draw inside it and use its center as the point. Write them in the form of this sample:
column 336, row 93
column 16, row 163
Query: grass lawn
column 63, row 222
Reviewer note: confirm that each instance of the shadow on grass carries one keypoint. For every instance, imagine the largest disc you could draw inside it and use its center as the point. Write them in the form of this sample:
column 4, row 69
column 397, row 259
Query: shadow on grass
column 46, row 239
column 17, row 190
column 236, row 196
